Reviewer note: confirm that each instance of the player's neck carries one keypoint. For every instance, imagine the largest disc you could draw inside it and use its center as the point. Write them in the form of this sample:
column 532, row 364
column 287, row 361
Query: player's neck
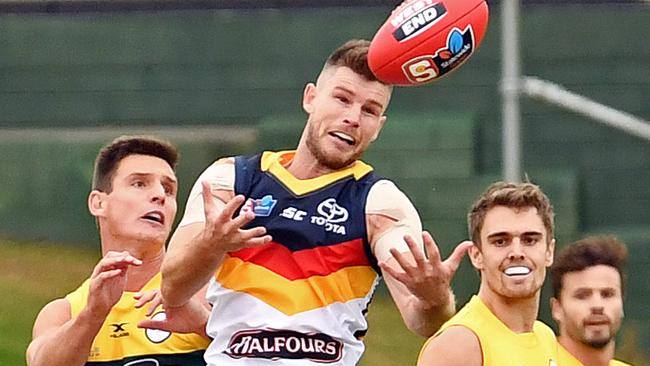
column 305, row 166
column 518, row 315
column 586, row 354
column 151, row 256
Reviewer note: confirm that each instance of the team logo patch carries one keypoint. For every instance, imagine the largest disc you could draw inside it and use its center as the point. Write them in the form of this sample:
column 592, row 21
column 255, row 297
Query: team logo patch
column 157, row 335
column 284, row 344
column 119, row 330
column 416, row 18
column 260, row 207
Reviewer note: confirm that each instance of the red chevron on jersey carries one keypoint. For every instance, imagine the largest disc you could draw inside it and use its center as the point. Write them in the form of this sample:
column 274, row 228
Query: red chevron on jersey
column 301, row 264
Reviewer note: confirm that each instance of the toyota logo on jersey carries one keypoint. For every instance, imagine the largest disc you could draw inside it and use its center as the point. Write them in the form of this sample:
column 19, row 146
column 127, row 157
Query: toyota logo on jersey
column 332, row 212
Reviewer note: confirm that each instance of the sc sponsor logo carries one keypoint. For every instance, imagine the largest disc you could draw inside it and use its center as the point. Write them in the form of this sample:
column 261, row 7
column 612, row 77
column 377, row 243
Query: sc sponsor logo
column 330, row 216
column 293, row 213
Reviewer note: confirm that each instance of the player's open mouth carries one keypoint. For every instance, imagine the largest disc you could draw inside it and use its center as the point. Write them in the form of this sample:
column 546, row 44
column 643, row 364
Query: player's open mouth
column 344, row 137
column 155, row 216
column 517, row 271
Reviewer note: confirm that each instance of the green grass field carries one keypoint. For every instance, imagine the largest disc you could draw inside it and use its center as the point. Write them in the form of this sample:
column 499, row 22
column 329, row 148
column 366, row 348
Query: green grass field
column 33, row 274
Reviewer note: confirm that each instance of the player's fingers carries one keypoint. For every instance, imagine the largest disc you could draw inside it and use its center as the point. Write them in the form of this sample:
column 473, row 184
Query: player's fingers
column 123, row 256
column 242, row 219
column 122, row 260
column 417, row 253
column 457, row 255
column 387, row 269
column 230, row 208
column 401, row 260
column 103, row 276
column 155, row 303
column 144, row 297
column 246, row 234
column 432, row 247
column 208, row 198
column 154, row 324
column 257, row 241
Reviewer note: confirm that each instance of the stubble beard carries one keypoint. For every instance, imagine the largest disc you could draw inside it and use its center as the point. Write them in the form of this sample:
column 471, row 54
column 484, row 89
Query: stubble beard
column 327, row 160
column 598, row 343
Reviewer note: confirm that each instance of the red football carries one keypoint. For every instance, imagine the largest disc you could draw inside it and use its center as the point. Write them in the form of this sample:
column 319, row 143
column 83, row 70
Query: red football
column 422, row 40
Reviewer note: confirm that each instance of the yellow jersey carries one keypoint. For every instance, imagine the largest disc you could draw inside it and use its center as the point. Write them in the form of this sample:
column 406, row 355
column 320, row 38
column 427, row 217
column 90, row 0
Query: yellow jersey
column 121, row 342
column 500, row 346
column 565, row 358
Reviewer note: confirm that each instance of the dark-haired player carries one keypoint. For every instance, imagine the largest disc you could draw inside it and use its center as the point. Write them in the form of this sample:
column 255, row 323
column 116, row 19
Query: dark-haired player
column 588, row 283
column 134, row 202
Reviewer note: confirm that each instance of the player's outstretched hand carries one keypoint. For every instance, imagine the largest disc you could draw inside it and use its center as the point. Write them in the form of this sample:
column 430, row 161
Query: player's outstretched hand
column 191, row 317
column 108, row 280
column 225, row 232
column 427, row 278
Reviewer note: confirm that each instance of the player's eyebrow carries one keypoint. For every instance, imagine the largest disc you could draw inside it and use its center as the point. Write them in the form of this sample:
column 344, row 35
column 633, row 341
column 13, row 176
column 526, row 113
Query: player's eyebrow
column 167, row 178
column 370, row 100
column 500, row 234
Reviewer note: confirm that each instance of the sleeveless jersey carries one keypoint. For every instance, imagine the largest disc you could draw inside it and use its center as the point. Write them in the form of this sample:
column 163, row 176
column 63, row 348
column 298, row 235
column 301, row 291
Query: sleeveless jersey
column 565, row 358
column 501, row 346
column 121, row 342
column 302, row 298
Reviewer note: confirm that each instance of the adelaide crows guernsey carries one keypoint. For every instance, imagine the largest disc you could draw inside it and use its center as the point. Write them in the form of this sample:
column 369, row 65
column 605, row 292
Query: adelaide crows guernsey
column 500, row 346
column 121, row 342
column 302, row 298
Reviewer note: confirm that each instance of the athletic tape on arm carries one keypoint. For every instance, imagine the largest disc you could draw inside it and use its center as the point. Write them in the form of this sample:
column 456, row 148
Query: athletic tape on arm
column 221, row 176
column 386, row 199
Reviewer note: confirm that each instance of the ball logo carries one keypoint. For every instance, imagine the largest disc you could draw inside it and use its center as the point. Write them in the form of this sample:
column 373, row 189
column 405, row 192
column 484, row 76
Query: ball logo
column 416, row 18
column 460, row 45
column 420, row 69
column 424, row 68
column 157, row 335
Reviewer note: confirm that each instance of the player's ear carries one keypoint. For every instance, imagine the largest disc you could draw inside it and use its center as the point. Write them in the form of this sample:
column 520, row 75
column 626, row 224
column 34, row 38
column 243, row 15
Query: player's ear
column 97, row 203
column 556, row 310
column 382, row 121
column 550, row 250
column 308, row 96
column 476, row 257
